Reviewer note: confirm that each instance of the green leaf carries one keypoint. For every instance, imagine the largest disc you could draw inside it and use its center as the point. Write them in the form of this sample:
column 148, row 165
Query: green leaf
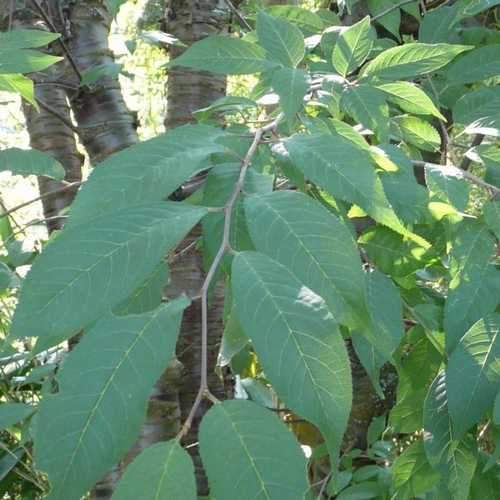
column 475, row 285
column 361, row 491
column 455, row 461
column 346, row 171
column 290, row 326
column 30, row 162
column 97, row 414
column 13, row 413
column 95, row 73
column 26, row 39
column 478, row 64
column 21, row 85
column 412, row 475
column 438, row 25
column 389, row 21
column 469, row 8
column 473, row 374
column 114, row 6
column 226, row 104
column 307, row 21
column 8, row 279
column 233, row 340
column 352, row 47
column 448, row 186
column 418, row 132
column 496, row 410
column 91, row 268
column 225, row 55
column 257, row 458
column 412, row 60
column 368, row 106
column 148, row 296
column 284, row 43
column 410, row 98
column 492, row 216
column 24, row 61
column 164, row 470
column 291, row 85
column 319, row 249
column 165, row 163
column 489, row 156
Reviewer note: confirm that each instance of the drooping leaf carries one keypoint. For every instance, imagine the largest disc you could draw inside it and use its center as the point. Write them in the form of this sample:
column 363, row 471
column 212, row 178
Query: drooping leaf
column 225, row 55
column 283, row 42
column 165, row 163
column 392, row 17
column 454, row 460
column 412, row 60
column 20, row 84
column 345, row 170
column 91, row 268
column 13, row 413
column 473, row 374
column 412, row 475
column 24, row 61
column 290, row 326
column 410, row 98
column 474, row 289
column 164, row 470
column 257, row 458
column 97, row 414
column 291, row 85
column 310, row 241
column 30, row 162
column 368, row 106
column 352, row 47
column 439, row 25
column 478, row 64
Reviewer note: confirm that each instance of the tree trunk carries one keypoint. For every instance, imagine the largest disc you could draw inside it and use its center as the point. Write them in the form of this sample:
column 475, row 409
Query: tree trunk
column 188, row 91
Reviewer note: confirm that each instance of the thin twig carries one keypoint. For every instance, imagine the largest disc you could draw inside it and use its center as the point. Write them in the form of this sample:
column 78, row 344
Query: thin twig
column 64, row 47
column 390, row 9
column 238, row 15
column 58, row 115
column 62, row 189
column 466, row 161
column 442, row 126
column 323, row 486
column 459, row 173
column 204, row 391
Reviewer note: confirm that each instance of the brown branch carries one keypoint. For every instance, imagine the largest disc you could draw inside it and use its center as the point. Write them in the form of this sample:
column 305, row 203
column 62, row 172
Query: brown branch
column 48, row 194
column 238, row 15
column 204, row 391
column 52, row 28
column 459, row 173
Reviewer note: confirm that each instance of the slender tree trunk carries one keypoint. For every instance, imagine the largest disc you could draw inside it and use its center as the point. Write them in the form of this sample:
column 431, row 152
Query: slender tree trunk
column 189, row 21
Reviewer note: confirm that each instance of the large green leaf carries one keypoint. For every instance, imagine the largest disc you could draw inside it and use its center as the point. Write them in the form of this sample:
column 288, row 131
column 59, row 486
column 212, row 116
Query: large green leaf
column 448, row 186
column 284, row 43
column 410, row 98
column 146, row 172
column 26, row 39
column 319, row 249
column 162, row 471
column 24, row 61
column 307, row 21
column 21, row 85
column 225, row 55
column 249, row 454
column 454, row 460
column 418, row 132
column 473, row 374
column 297, row 341
column 475, row 285
column 352, row 47
column 412, row 475
column 412, row 60
column 97, row 414
column 30, row 162
column 438, row 25
column 392, row 17
column 368, row 106
column 346, row 171
column 88, row 269
column 478, row 64
column 291, row 85
column 12, row 413
column 479, row 111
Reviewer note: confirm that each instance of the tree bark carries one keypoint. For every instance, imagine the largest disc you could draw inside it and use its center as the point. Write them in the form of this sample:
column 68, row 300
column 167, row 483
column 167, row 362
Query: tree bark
column 189, row 90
